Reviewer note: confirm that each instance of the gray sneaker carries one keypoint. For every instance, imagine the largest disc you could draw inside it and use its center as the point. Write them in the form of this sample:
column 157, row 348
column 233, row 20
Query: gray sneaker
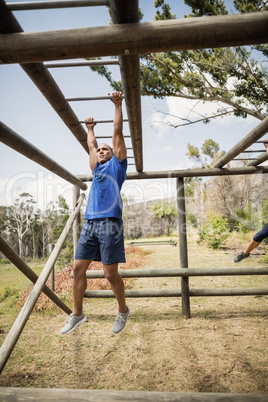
column 121, row 321
column 240, row 257
column 73, row 322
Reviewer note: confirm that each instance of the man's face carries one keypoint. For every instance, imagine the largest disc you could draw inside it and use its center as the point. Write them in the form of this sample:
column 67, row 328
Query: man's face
column 104, row 153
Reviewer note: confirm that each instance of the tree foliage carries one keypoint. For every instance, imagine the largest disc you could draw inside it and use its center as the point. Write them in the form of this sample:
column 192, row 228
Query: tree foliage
column 215, row 230
column 30, row 231
column 20, row 217
column 233, row 78
column 204, row 156
column 167, row 211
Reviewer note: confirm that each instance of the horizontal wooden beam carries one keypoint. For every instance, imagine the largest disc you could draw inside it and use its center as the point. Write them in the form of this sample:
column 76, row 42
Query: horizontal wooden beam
column 109, row 136
column 189, row 173
column 181, row 272
column 84, row 63
column 24, row 147
column 260, row 159
column 90, row 98
column 15, row 394
column 42, row 5
column 135, row 38
column 244, row 159
column 102, row 121
column 250, row 151
column 177, row 293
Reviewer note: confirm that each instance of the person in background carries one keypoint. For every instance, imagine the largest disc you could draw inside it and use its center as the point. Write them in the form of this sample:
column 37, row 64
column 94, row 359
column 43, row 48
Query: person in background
column 257, row 239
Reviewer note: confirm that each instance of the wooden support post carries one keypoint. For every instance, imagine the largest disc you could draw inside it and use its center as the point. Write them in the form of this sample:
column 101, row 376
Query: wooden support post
column 127, row 12
column 20, row 322
column 185, row 299
column 77, row 221
column 52, row 276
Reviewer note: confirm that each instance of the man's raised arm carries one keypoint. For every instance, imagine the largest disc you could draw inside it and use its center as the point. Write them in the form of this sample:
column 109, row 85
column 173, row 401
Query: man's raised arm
column 119, row 146
column 92, row 143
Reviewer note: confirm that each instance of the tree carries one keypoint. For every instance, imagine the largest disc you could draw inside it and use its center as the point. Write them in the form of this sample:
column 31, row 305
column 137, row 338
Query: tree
column 60, row 218
column 165, row 210
column 61, row 215
column 20, row 217
column 235, row 79
column 215, row 230
column 209, row 149
column 228, row 194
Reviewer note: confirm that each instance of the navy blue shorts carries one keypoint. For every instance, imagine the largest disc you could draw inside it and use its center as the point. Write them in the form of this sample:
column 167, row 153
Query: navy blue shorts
column 262, row 234
column 102, row 240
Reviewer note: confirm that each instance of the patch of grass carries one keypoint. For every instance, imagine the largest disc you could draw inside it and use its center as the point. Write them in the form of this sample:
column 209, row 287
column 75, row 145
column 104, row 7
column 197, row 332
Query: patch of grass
column 12, row 277
column 221, row 348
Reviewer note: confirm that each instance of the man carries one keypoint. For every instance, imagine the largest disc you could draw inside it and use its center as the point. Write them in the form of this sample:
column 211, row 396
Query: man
column 257, row 239
column 102, row 235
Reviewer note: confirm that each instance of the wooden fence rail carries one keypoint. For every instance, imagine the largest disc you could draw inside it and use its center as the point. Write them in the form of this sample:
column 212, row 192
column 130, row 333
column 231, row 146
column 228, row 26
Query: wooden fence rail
column 183, row 273
column 177, row 292
column 180, row 272
column 12, row 394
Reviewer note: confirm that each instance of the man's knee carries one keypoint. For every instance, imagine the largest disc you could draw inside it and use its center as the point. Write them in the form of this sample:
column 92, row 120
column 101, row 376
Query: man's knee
column 80, row 267
column 112, row 276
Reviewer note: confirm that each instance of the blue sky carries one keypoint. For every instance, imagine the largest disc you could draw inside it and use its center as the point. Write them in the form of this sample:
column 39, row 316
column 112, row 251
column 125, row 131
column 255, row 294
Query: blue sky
column 25, row 110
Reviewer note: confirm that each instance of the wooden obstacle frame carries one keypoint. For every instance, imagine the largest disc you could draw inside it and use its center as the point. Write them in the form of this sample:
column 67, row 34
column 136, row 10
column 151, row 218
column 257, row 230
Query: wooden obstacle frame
column 34, row 51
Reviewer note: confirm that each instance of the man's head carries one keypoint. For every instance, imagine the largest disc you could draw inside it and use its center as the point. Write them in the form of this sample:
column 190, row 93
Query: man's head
column 104, row 153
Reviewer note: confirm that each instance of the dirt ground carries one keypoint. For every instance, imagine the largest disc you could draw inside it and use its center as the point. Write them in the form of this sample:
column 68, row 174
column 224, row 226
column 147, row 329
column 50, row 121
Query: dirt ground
column 221, row 348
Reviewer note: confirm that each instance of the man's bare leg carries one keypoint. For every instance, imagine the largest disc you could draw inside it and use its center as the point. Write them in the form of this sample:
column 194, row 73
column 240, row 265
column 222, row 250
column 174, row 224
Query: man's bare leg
column 245, row 254
column 252, row 244
column 117, row 285
column 79, row 287
column 79, row 284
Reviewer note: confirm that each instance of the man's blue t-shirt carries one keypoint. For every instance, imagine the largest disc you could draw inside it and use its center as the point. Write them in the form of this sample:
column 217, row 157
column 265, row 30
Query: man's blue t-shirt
column 104, row 199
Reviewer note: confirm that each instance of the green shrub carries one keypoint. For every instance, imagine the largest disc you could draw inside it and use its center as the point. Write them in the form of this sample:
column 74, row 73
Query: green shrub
column 9, row 292
column 5, row 261
column 191, row 219
column 248, row 219
column 215, row 230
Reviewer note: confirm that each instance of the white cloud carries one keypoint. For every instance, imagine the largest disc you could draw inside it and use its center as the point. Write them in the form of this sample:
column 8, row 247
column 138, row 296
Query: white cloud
column 138, row 191
column 181, row 166
column 168, row 149
column 194, row 110
column 44, row 187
